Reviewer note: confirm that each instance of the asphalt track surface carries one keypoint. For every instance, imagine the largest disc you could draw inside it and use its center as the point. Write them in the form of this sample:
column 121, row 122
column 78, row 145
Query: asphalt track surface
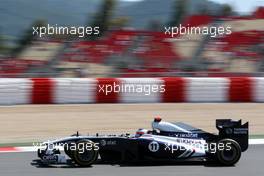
column 251, row 163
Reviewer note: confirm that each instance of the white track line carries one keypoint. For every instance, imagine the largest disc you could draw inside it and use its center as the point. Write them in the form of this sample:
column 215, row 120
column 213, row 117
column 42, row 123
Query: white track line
column 255, row 141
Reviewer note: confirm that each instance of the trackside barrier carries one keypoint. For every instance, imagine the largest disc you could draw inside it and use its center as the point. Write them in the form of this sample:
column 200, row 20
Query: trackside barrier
column 143, row 90
column 174, row 90
column 15, row 91
column 105, row 92
column 42, row 91
column 74, row 90
column 130, row 90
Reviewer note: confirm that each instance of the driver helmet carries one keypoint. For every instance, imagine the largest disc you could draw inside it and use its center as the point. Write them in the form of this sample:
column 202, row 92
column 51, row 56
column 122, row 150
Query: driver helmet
column 141, row 132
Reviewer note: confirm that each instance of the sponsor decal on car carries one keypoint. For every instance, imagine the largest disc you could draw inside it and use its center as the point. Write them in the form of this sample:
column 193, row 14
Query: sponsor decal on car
column 50, row 158
column 240, row 130
column 153, row 146
column 107, row 142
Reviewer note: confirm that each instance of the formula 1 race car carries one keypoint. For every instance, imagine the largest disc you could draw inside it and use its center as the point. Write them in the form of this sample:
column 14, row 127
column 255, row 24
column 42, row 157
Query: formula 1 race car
column 164, row 143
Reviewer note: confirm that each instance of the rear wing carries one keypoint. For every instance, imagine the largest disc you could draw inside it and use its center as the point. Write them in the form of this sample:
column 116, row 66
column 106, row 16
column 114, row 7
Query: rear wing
column 235, row 130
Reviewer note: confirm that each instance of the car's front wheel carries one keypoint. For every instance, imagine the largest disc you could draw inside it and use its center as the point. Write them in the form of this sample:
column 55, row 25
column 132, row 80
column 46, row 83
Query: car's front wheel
column 83, row 155
column 68, row 149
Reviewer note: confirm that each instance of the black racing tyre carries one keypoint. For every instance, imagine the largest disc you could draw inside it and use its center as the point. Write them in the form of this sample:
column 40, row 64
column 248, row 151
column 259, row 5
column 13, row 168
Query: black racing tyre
column 85, row 156
column 231, row 153
column 67, row 149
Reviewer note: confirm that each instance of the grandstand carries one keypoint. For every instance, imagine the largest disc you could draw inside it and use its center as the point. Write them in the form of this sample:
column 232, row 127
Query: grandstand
column 139, row 53
column 242, row 51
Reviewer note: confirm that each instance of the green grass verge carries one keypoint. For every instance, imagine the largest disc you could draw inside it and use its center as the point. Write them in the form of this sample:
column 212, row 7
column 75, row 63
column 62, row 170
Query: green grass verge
column 256, row 136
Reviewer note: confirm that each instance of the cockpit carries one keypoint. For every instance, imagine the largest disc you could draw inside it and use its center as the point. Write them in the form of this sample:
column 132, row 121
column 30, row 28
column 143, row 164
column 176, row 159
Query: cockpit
column 160, row 127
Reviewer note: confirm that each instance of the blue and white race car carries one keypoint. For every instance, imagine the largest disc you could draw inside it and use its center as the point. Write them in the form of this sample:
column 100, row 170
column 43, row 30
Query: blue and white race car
column 166, row 142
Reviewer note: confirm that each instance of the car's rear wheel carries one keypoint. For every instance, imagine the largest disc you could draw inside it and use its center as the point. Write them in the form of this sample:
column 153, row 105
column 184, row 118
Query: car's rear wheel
column 230, row 154
column 83, row 155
